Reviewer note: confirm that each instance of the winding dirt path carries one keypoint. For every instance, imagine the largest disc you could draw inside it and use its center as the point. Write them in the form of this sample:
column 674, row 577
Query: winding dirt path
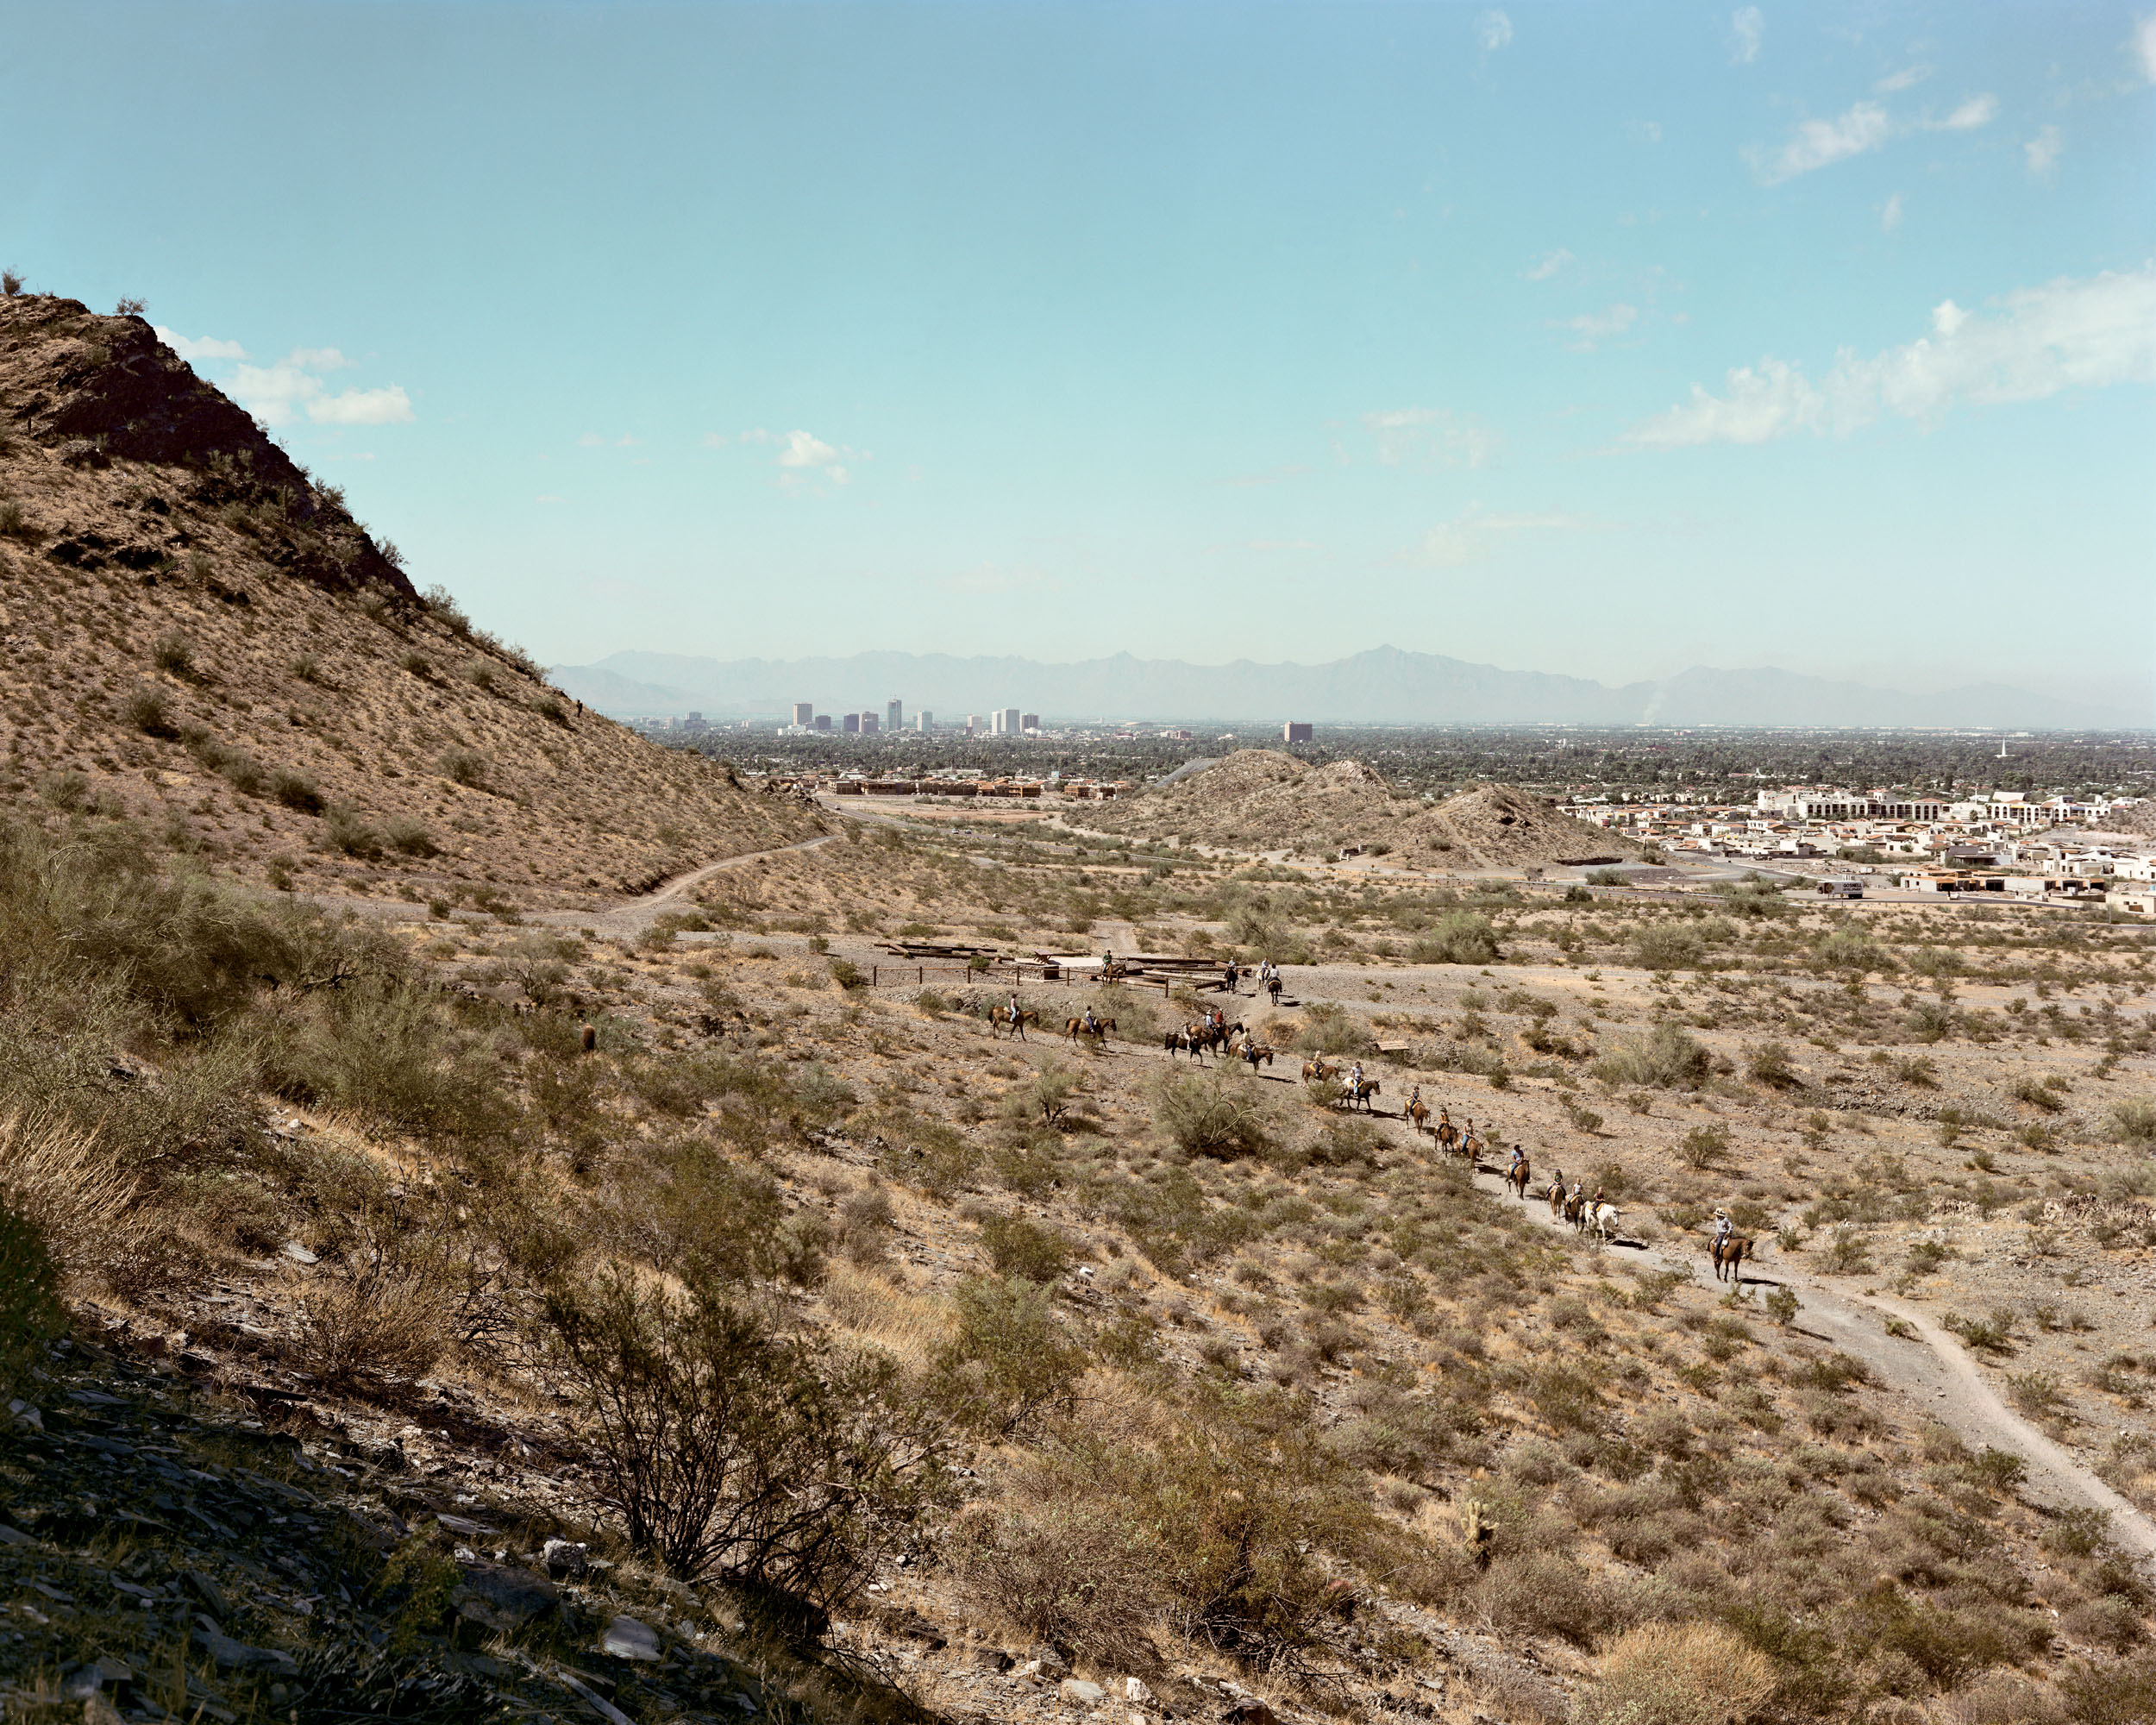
column 1931, row 1368
column 638, row 914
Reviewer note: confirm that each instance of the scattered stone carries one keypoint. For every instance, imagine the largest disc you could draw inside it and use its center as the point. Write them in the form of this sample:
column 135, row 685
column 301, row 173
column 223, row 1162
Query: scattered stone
column 1135, row 1692
column 1052, row 1662
column 1078, row 1690
column 297, row 1253
column 1248, row 1709
column 626, row 1639
column 209, row 1593
column 562, row 1559
column 503, row 1598
column 231, row 1655
column 992, row 1658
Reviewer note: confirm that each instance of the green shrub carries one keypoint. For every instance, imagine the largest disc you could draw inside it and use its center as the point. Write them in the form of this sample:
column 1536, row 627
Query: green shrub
column 1010, row 1367
column 848, row 974
column 1215, row 1115
column 2132, row 1122
column 1704, row 1147
column 1668, row 946
column 1018, row 1247
column 147, row 710
column 466, row 767
column 1667, row 1059
column 295, row 790
column 30, row 1311
column 409, row 837
column 1769, row 1063
column 345, row 831
column 174, row 655
column 735, row 1453
column 1457, row 937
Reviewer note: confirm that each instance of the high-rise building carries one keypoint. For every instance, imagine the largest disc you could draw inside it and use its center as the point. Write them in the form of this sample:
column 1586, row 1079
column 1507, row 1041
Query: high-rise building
column 1028, row 721
column 973, row 723
column 695, row 722
column 805, row 714
column 868, row 724
column 852, row 722
column 894, row 715
column 1006, row 721
column 823, row 721
column 924, row 721
column 1293, row 732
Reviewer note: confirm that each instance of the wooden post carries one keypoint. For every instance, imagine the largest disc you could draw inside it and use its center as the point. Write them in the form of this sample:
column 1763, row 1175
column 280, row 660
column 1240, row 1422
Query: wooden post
column 872, row 973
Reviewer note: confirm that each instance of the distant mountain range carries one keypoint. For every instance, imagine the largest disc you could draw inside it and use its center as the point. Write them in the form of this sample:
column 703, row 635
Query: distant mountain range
column 1384, row 686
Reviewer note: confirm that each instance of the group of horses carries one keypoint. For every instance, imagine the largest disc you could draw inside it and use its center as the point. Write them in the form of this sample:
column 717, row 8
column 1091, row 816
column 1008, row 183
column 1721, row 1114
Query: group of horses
column 1586, row 1215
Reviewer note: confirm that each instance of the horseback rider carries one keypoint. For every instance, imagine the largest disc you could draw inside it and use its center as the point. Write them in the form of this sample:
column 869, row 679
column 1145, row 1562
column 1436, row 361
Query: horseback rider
column 1518, row 1156
column 1722, row 1229
column 1414, row 1098
column 1355, row 1078
column 1232, row 974
column 1014, row 1005
column 1093, row 1024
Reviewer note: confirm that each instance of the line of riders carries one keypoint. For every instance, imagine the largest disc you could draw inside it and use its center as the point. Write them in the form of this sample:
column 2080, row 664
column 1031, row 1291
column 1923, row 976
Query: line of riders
column 1213, row 1034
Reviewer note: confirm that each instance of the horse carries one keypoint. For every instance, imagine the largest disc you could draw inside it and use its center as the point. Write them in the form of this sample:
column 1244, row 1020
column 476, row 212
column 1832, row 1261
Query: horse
column 1362, row 1093
column 1272, row 987
column 1729, row 1252
column 1602, row 1218
column 1315, row 1071
column 1186, row 1040
column 1017, row 1022
column 1097, row 1030
column 1419, row 1114
column 1447, row 1134
column 1557, row 1199
column 1472, row 1143
column 1255, row 1053
column 1575, row 1207
column 1516, row 1177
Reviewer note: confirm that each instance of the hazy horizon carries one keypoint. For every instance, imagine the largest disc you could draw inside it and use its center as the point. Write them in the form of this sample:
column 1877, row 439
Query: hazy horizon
column 1593, row 343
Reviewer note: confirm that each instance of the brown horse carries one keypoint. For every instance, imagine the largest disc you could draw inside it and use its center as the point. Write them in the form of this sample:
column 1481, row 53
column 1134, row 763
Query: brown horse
column 1191, row 1039
column 1419, row 1114
column 1471, row 1142
column 1730, row 1254
column 1447, row 1134
column 1557, row 1197
column 1317, row 1072
column 1098, row 1030
column 1015, row 1024
column 1255, row 1053
column 1516, row 1177
column 1362, row 1093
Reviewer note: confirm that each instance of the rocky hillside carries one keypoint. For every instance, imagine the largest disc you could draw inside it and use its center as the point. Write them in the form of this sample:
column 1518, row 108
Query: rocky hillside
column 194, row 632
column 1263, row 800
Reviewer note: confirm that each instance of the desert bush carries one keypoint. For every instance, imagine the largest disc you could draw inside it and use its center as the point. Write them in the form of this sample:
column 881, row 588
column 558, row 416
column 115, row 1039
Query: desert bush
column 346, row 830
column 1068, row 1564
column 147, row 710
column 1329, row 1028
column 295, row 790
column 2123, row 1692
column 1929, row 1021
column 83, row 1207
column 173, row 654
column 1769, row 1063
column 409, row 837
column 1010, row 1367
column 845, row 974
column 2003, row 1698
column 1668, row 946
column 1457, row 937
column 2132, row 1122
column 1018, row 1247
column 30, row 1311
column 719, row 1224
column 732, row 1453
column 1214, row 1115
column 1540, row 1593
column 15, row 524
column 385, row 1315
column 1667, row 1059
column 1697, row 1673
column 466, row 767
column 1703, row 1146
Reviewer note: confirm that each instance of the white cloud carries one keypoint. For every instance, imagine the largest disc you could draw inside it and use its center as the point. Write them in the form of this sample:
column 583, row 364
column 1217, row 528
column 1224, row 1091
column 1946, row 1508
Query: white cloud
column 1647, row 131
column 803, row 454
column 2043, row 150
column 317, row 360
column 1549, row 264
column 1906, row 79
column 1474, row 534
column 1819, row 143
column 1597, row 326
column 2145, row 46
column 1977, row 110
column 386, row 406
column 1746, row 26
column 1890, row 216
column 1407, row 435
column 1494, row 30
column 191, row 348
column 2036, row 342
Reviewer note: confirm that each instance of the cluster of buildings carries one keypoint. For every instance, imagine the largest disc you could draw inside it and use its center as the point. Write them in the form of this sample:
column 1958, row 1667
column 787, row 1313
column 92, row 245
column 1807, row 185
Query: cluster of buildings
column 1004, row 722
column 2002, row 842
column 955, row 782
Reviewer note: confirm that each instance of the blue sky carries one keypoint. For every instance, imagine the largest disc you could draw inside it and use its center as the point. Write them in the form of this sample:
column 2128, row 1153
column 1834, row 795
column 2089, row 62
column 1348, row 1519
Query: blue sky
column 1597, row 339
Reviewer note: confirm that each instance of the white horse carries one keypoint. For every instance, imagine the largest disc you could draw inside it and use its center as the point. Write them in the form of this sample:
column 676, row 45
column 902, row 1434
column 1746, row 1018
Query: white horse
column 1602, row 1218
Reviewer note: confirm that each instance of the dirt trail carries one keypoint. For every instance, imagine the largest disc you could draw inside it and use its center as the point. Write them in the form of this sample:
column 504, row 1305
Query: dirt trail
column 1932, row 1369
column 638, row 914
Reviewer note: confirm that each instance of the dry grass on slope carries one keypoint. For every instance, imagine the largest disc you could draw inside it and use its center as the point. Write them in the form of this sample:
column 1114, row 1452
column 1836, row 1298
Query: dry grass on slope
column 196, row 634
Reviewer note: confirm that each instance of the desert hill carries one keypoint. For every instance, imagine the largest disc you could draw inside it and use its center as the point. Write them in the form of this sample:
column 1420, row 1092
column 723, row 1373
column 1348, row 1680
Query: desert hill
column 195, row 633
column 1263, row 800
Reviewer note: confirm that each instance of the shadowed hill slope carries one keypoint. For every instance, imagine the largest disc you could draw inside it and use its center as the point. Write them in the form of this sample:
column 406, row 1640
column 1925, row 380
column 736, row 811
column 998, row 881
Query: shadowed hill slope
column 194, row 632
column 1263, row 800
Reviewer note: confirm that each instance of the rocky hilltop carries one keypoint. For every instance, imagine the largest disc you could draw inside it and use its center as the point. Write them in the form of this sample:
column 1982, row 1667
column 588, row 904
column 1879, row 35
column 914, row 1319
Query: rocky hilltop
column 195, row 633
column 1263, row 800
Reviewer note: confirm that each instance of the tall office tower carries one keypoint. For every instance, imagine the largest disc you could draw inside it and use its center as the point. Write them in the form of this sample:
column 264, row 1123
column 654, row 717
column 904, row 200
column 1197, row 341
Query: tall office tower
column 805, row 714
column 924, row 721
column 852, row 722
column 894, row 715
column 868, row 724
column 1028, row 721
column 1008, row 721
